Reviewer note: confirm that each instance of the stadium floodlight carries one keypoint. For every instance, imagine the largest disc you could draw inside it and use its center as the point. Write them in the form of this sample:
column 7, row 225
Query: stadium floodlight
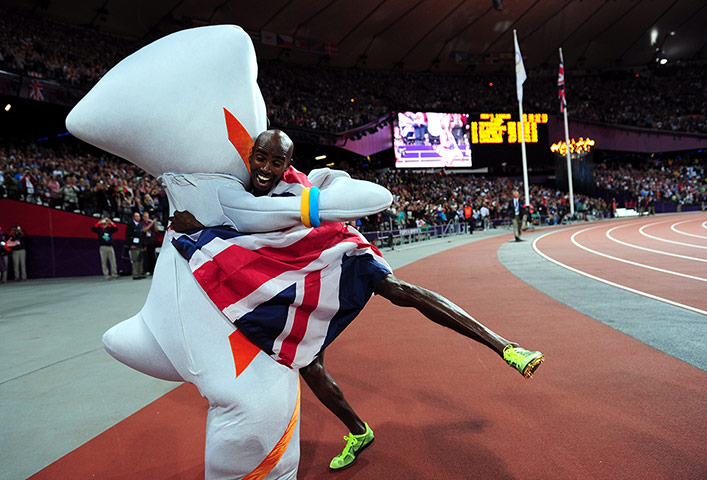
column 663, row 61
column 8, row 107
column 320, row 157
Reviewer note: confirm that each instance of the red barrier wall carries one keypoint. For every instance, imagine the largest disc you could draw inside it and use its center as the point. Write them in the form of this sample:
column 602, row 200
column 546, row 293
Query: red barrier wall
column 39, row 221
column 59, row 243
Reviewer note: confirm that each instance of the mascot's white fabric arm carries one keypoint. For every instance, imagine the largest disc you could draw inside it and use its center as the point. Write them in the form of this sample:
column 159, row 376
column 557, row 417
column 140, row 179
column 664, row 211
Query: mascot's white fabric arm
column 344, row 199
column 250, row 214
column 341, row 199
column 322, row 177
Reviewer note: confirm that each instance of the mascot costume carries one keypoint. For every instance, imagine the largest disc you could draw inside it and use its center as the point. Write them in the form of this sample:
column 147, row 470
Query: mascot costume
column 186, row 108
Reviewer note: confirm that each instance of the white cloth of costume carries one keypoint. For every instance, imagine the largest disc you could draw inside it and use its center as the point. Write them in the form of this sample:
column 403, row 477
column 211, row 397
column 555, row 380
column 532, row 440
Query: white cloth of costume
column 189, row 103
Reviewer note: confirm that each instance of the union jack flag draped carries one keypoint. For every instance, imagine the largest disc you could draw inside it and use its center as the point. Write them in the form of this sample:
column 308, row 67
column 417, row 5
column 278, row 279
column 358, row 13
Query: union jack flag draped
column 561, row 85
column 292, row 292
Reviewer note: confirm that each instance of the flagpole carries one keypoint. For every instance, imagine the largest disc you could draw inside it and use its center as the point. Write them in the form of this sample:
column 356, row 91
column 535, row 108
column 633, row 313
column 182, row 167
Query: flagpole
column 520, row 114
column 567, row 142
column 525, row 159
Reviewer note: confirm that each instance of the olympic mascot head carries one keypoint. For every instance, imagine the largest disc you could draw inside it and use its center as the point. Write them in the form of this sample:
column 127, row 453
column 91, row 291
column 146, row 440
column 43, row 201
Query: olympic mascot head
column 186, row 103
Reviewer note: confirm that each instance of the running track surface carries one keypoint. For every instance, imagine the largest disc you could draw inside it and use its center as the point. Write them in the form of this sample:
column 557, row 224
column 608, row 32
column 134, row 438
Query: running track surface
column 663, row 259
column 604, row 406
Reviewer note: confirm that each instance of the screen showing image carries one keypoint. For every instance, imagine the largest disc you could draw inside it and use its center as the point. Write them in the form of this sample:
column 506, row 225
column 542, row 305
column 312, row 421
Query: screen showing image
column 431, row 140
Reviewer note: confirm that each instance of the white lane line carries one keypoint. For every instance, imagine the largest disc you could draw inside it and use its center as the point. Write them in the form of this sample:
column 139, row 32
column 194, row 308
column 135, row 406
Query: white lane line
column 704, row 225
column 660, row 239
column 622, row 260
column 609, row 282
column 672, row 227
column 646, row 249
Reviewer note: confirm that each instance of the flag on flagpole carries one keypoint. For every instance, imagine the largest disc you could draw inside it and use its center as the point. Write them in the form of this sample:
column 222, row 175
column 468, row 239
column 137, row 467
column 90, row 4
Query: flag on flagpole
column 561, row 85
column 520, row 69
column 36, row 92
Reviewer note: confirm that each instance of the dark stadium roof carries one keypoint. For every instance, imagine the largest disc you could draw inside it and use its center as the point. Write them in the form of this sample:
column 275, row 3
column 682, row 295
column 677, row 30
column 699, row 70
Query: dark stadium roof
column 448, row 35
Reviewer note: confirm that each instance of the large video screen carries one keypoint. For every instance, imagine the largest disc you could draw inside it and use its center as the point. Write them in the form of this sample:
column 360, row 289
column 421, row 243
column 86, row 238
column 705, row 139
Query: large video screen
column 431, row 140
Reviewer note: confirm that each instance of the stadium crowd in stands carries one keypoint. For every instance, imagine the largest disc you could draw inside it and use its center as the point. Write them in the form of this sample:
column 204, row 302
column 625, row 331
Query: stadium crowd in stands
column 336, row 100
column 63, row 53
column 329, row 99
column 422, row 200
column 75, row 177
column 673, row 181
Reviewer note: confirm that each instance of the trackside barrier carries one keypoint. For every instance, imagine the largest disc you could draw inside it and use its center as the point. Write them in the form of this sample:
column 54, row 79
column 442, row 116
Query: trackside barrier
column 391, row 238
column 406, row 236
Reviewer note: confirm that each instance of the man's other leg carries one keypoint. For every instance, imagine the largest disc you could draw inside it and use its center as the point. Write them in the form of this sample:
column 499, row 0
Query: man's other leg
column 18, row 264
column 328, row 392
column 15, row 254
column 517, row 227
column 23, row 263
column 113, row 262
column 331, row 396
column 136, row 260
column 103, row 252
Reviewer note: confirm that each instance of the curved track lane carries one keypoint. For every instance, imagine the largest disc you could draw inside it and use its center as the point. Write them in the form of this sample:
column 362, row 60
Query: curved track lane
column 644, row 256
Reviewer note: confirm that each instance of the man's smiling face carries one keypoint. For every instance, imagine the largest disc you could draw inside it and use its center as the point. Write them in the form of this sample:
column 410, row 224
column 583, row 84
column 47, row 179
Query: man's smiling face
column 270, row 157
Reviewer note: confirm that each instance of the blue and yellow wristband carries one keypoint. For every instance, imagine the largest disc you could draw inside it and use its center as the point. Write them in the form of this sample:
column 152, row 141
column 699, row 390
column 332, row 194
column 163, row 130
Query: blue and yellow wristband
column 309, row 207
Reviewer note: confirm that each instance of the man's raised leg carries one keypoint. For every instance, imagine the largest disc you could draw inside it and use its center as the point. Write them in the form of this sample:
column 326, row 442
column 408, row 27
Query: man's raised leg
column 443, row 312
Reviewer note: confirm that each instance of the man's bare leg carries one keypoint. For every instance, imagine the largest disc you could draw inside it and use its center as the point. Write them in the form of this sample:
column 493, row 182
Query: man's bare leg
column 440, row 310
column 443, row 312
column 329, row 393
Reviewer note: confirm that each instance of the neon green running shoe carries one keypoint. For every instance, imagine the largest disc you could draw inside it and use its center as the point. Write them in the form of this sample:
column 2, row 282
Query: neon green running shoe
column 525, row 361
column 355, row 444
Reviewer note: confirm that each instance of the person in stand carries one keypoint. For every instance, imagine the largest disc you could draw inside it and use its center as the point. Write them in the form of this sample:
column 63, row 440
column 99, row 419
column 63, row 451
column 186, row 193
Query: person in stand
column 270, row 158
column 516, row 212
column 105, row 229
column 29, row 183
column 18, row 244
column 70, row 194
column 485, row 216
column 54, row 192
column 135, row 238
column 4, row 260
column 469, row 216
column 149, row 228
column 150, row 206
column 104, row 199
